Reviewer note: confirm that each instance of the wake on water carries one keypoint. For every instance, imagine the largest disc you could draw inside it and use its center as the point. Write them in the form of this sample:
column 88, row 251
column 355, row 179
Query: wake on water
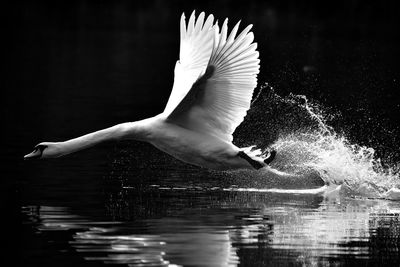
column 306, row 142
column 299, row 130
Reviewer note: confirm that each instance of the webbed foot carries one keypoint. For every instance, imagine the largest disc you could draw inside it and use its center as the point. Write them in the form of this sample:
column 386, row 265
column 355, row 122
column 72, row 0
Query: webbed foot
column 271, row 157
column 257, row 165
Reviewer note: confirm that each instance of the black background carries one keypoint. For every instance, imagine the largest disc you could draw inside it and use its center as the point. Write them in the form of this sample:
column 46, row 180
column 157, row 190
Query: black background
column 74, row 67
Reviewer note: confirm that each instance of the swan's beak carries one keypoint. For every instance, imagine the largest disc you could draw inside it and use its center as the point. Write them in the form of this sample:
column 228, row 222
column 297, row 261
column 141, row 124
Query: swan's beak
column 35, row 154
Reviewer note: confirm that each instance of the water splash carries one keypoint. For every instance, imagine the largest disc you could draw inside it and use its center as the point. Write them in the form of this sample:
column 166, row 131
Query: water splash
column 305, row 141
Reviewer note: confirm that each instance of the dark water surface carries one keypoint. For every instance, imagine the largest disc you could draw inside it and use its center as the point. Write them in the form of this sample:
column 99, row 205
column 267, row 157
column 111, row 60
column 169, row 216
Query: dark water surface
column 184, row 217
column 81, row 67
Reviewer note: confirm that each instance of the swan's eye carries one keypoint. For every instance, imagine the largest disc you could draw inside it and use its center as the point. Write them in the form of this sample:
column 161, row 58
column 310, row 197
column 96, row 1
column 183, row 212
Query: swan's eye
column 40, row 147
column 38, row 152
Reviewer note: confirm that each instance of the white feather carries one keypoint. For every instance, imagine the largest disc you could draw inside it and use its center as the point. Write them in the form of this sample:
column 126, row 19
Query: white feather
column 214, row 105
column 196, row 46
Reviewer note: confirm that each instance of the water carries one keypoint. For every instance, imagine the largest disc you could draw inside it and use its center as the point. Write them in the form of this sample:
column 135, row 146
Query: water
column 195, row 227
column 332, row 110
column 311, row 143
column 161, row 212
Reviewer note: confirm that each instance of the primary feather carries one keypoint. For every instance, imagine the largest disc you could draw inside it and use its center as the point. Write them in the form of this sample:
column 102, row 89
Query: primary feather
column 195, row 51
column 214, row 78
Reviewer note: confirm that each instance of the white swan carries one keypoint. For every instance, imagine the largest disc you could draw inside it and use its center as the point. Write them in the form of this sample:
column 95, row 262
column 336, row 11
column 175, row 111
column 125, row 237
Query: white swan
column 214, row 81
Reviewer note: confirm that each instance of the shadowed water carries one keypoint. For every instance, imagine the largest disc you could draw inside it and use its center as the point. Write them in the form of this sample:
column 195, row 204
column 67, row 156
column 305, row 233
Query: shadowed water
column 196, row 227
column 161, row 212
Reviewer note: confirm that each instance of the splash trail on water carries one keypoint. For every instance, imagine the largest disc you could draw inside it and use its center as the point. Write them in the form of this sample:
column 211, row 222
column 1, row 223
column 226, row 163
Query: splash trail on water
column 301, row 132
column 305, row 141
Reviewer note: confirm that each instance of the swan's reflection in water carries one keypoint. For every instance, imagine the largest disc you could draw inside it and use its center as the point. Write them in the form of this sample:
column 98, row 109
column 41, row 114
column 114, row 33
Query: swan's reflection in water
column 220, row 228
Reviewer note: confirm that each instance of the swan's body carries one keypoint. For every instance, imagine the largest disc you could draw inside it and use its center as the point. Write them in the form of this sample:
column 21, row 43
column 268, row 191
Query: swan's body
column 214, row 82
column 186, row 145
column 210, row 151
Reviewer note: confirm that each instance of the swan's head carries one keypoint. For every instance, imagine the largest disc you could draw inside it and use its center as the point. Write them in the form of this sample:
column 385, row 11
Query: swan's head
column 44, row 150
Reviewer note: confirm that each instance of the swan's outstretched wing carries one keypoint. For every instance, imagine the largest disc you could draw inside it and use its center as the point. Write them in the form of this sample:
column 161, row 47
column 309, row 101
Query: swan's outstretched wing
column 218, row 101
column 195, row 51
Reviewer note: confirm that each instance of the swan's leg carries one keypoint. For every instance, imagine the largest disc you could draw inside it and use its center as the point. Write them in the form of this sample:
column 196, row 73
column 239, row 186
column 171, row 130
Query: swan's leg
column 271, row 157
column 255, row 164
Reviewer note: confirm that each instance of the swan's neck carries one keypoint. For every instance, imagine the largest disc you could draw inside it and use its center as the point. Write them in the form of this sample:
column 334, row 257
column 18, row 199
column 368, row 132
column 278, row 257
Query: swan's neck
column 138, row 130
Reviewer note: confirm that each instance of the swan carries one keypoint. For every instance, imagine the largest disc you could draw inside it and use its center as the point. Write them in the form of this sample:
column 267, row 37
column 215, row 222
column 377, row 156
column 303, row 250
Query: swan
column 214, row 80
